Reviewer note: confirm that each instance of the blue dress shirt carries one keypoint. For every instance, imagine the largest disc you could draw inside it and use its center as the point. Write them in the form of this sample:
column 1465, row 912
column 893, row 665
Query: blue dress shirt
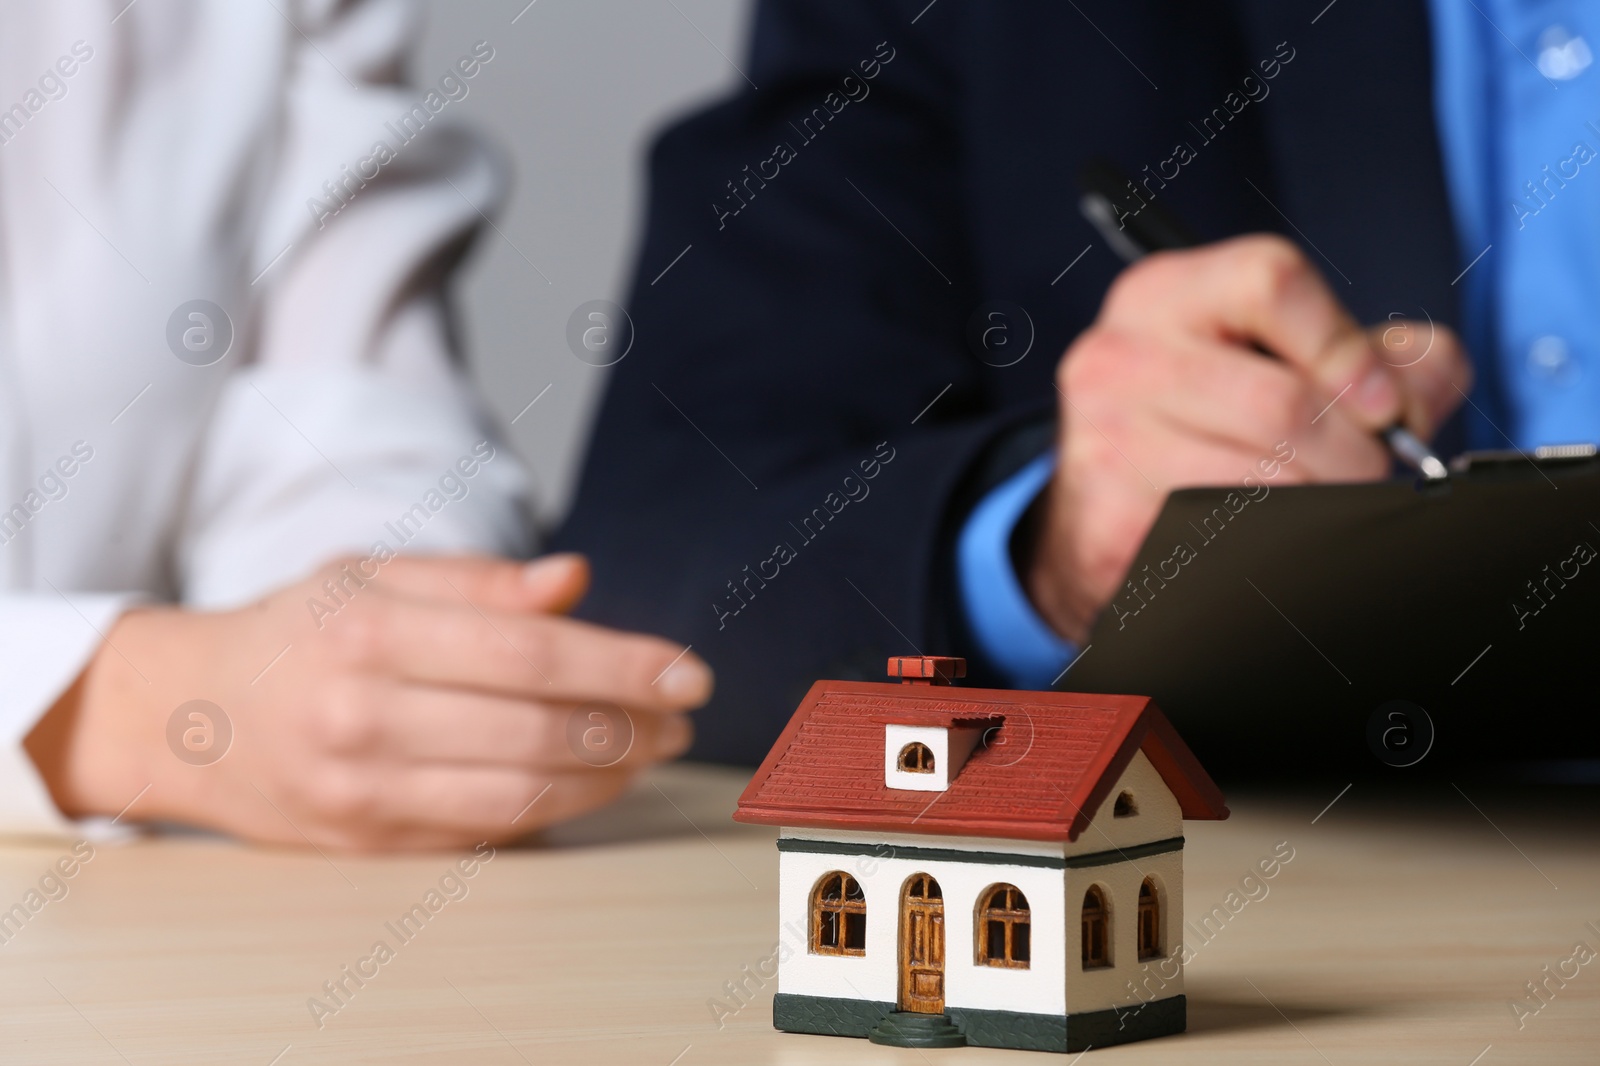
column 1009, row 632
column 1517, row 105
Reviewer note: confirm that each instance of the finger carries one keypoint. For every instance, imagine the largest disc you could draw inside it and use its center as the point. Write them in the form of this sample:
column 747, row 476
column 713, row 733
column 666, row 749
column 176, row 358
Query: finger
column 1190, row 412
column 418, row 723
column 554, row 659
column 1234, row 396
column 1262, row 290
column 1176, row 457
column 558, row 581
column 368, row 809
column 445, row 798
column 552, row 584
column 1433, row 370
column 1252, row 416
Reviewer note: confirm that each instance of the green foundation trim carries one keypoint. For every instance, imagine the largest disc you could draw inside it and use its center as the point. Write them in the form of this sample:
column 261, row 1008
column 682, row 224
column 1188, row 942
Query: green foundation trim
column 992, row 858
column 827, row 1016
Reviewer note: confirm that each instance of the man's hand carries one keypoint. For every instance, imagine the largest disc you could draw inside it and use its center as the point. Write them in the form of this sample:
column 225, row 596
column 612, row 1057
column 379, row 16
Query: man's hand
column 1167, row 389
column 433, row 709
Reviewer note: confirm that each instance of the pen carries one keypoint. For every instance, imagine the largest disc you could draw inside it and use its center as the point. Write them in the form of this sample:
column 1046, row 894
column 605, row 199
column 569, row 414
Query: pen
column 1153, row 229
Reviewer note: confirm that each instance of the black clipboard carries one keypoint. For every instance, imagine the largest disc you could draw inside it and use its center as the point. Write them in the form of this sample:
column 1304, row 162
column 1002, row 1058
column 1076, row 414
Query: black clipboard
column 1280, row 639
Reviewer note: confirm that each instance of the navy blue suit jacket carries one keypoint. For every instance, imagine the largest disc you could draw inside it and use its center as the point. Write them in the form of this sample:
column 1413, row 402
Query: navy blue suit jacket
column 819, row 244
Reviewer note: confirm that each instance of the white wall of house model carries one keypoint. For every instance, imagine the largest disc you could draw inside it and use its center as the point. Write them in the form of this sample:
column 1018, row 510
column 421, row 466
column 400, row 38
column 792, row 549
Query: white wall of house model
column 1055, row 981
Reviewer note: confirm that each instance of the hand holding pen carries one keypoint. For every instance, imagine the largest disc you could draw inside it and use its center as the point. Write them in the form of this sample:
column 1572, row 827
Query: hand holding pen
column 1134, row 234
column 1169, row 388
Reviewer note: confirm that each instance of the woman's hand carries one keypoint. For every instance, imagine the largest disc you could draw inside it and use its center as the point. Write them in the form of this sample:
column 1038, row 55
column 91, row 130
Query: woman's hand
column 436, row 703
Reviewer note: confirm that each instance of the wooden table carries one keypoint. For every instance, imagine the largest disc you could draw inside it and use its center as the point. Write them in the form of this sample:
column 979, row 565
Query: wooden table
column 1400, row 932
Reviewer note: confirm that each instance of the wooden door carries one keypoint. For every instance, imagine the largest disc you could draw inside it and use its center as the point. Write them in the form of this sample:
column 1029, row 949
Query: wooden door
column 922, row 946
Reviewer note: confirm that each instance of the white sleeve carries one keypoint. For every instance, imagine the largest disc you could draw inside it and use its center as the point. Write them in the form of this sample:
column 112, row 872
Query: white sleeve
column 355, row 411
column 45, row 642
column 349, row 413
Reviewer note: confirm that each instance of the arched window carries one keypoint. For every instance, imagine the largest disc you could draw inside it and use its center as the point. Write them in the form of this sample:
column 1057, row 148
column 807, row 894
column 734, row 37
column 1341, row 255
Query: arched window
column 1003, row 928
column 838, row 916
column 1125, row 806
column 1149, row 921
column 1096, row 929
column 916, row 758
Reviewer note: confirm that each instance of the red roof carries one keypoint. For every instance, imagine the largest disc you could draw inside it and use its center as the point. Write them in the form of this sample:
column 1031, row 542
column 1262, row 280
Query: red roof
column 1040, row 775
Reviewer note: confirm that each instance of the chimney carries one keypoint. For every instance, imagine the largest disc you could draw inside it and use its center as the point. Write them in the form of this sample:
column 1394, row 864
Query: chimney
column 926, row 669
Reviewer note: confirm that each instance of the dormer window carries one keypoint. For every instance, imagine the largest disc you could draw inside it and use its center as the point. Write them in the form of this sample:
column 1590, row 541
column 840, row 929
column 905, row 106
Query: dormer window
column 916, row 758
column 1125, row 806
column 927, row 757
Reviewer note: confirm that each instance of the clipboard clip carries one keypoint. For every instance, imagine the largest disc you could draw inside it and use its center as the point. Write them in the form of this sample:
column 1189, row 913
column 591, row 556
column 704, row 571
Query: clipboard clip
column 1543, row 457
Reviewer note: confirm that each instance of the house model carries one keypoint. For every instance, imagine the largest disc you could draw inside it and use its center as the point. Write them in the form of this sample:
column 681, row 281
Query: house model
column 979, row 866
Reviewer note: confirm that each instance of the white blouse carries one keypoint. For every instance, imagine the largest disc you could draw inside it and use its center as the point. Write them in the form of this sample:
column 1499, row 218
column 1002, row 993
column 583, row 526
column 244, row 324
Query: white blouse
column 225, row 355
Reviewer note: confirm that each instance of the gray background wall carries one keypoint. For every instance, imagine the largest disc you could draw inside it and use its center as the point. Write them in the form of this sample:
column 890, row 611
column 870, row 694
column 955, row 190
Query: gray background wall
column 575, row 90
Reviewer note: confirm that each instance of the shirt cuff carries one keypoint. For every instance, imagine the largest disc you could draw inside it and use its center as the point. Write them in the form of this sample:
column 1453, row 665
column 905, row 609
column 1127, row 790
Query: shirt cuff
column 1009, row 632
column 45, row 642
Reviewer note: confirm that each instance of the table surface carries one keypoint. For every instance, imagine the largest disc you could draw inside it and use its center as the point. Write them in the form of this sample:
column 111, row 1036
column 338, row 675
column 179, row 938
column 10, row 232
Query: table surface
column 1400, row 932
